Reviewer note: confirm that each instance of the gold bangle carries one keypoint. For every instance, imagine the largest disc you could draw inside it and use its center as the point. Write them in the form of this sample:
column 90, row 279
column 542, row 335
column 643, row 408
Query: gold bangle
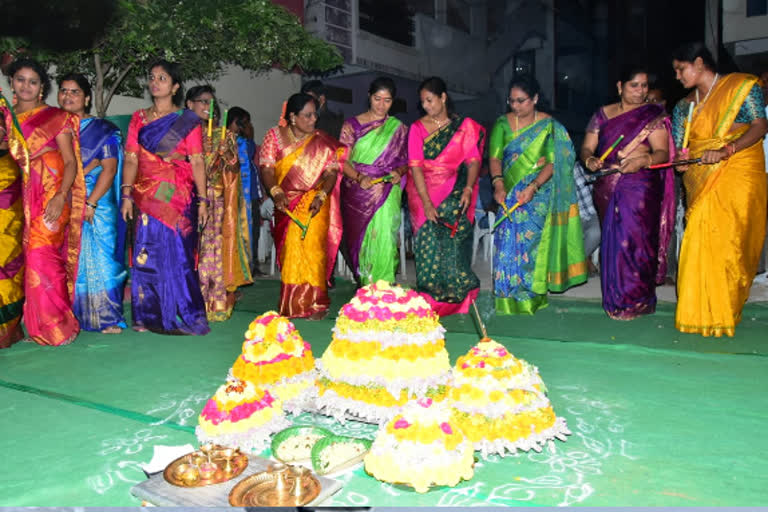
column 535, row 185
column 275, row 190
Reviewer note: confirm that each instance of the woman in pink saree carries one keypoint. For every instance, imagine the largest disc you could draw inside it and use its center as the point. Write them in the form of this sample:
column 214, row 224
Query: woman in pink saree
column 444, row 153
column 47, row 150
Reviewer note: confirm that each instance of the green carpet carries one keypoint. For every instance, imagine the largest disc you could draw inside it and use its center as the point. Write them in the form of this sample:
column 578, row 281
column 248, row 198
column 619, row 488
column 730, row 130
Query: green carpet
column 658, row 417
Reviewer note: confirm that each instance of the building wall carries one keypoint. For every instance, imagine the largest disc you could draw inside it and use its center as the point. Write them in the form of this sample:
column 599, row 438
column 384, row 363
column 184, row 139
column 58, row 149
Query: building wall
column 737, row 26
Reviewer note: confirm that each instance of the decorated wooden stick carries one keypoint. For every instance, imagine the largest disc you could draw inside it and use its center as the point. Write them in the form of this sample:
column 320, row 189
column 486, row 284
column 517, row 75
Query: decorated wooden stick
column 507, row 214
column 610, row 149
column 453, row 227
column 295, row 219
column 688, row 122
column 386, row 178
column 480, row 323
column 210, row 119
column 224, row 125
column 677, row 162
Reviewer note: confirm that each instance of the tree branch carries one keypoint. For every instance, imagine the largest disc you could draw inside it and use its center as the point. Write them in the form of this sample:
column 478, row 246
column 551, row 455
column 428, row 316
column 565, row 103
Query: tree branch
column 99, row 89
column 116, row 84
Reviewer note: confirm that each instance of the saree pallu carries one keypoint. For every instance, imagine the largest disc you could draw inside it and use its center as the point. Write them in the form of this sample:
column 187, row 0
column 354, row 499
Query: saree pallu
column 225, row 243
column 443, row 255
column 541, row 248
column 165, row 290
column 102, row 273
column 372, row 217
column 251, row 187
column 726, row 216
column 636, row 214
column 51, row 250
column 11, row 254
column 307, row 263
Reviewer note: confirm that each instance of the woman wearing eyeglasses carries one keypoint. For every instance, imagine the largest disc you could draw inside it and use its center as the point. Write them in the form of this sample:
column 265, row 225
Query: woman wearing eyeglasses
column 225, row 247
column 164, row 175
column 636, row 205
column 299, row 168
column 539, row 246
column 101, row 273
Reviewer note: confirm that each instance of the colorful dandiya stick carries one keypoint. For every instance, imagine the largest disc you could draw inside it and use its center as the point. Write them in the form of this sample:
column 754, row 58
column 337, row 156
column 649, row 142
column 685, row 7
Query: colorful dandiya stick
column 480, row 323
column 688, row 122
column 453, row 227
column 224, row 125
column 295, row 219
column 507, row 214
column 675, row 163
column 210, row 119
column 610, row 149
column 386, row 178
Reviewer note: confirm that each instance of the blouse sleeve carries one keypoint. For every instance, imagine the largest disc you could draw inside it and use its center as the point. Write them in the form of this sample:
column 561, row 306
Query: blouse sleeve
column 111, row 149
column 347, row 136
column 415, row 146
column 194, row 141
column 472, row 143
column 753, row 107
column 269, row 151
column 678, row 122
column 496, row 144
column 132, row 140
column 593, row 125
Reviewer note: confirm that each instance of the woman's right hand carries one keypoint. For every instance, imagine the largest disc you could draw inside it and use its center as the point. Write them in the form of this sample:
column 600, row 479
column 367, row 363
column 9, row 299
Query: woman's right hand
column 594, row 164
column 126, row 209
column 365, row 182
column 499, row 194
column 683, row 155
column 281, row 201
column 430, row 212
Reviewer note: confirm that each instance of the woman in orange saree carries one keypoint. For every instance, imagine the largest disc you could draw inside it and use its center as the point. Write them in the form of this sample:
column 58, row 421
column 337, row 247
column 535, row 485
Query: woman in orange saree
column 48, row 152
column 726, row 192
column 299, row 168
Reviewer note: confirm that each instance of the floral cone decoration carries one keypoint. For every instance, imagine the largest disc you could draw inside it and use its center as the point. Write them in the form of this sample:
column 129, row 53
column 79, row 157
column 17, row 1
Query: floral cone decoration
column 500, row 402
column 388, row 347
column 421, row 447
column 240, row 415
column 276, row 357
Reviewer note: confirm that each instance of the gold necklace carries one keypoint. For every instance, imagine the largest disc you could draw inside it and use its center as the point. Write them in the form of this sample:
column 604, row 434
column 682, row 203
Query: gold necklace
column 439, row 124
column 293, row 136
column 712, row 85
column 517, row 121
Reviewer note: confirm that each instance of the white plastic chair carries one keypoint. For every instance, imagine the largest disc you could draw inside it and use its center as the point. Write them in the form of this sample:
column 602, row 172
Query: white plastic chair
column 486, row 235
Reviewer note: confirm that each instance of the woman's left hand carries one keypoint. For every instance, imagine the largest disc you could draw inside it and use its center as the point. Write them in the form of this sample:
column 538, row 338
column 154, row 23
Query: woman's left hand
column 632, row 165
column 395, row 177
column 524, row 196
column 54, row 208
column 202, row 214
column 89, row 212
column 466, row 198
column 317, row 203
column 713, row 156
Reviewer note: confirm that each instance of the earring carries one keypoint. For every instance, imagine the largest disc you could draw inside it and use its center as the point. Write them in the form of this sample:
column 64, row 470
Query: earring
column 293, row 121
column 40, row 96
column 14, row 100
column 87, row 101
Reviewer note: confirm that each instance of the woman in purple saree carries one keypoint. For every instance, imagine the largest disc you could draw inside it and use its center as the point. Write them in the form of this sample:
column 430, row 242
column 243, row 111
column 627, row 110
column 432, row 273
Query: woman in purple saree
column 163, row 169
column 636, row 205
column 378, row 146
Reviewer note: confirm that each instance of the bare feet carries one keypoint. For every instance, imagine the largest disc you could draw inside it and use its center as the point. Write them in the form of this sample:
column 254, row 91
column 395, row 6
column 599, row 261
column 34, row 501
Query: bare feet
column 112, row 330
column 139, row 328
column 318, row 316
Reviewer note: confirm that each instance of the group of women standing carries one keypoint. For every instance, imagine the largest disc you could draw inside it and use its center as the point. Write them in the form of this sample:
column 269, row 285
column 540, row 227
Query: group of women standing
column 187, row 193
column 68, row 188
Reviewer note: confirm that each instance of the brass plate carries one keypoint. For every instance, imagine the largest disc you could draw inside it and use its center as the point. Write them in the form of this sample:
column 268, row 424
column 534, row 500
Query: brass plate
column 264, row 490
column 174, row 474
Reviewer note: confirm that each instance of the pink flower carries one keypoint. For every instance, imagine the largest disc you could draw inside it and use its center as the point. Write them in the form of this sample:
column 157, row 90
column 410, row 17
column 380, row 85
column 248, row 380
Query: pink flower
column 481, row 364
column 402, row 423
column 424, row 402
column 501, row 352
column 384, row 314
column 445, row 427
column 389, row 298
column 399, row 315
column 465, row 365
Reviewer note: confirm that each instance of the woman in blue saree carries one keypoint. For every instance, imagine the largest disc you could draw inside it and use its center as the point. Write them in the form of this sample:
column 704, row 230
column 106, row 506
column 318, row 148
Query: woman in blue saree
column 540, row 246
column 101, row 272
column 164, row 175
column 636, row 205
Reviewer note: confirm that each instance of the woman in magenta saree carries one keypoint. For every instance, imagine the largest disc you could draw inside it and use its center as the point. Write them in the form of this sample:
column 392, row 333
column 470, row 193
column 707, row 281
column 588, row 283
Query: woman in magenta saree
column 371, row 212
column 444, row 154
column 47, row 150
column 636, row 205
column 163, row 167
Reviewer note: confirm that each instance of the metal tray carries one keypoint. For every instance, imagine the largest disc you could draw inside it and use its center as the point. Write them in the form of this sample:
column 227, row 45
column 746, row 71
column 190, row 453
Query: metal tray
column 181, row 471
column 280, row 486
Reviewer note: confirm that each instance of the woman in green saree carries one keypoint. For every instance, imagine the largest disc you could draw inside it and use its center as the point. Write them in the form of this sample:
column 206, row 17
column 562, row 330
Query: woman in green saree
column 539, row 244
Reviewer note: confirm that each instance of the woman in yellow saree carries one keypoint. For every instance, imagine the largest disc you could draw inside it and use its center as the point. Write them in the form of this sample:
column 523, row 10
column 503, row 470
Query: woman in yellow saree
column 299, row 168
column 47, row 149
column 11, row 229
column 726, row 192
